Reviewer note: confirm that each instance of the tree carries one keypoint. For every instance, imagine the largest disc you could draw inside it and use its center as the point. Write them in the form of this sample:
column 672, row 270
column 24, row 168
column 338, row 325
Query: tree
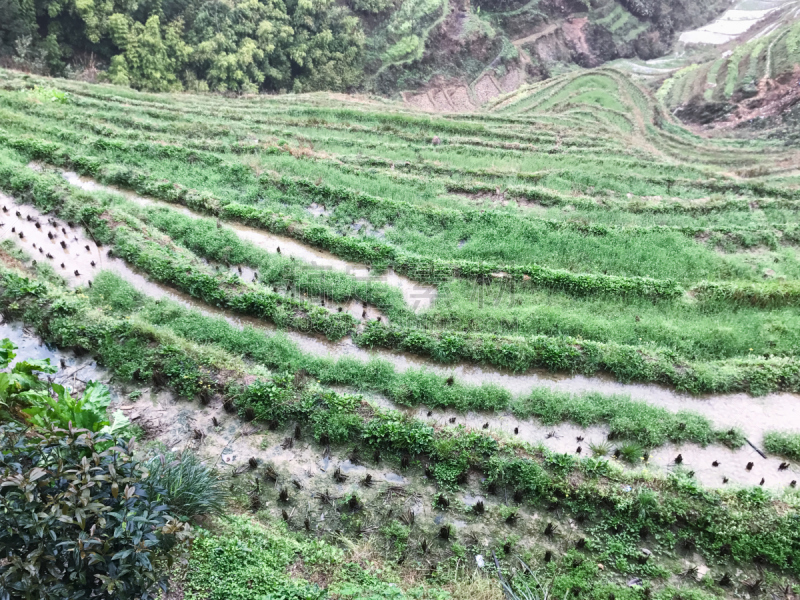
column 18, row 21
column 147, row 61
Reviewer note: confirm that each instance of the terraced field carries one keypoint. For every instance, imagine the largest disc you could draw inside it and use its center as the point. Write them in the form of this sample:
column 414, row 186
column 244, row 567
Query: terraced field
column 558, row 329
column 773, row 54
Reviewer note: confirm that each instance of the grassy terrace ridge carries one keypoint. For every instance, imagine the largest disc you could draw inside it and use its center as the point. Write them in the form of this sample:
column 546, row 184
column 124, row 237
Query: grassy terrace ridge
column 554, row 242
column 152, row 252
column 421, row 267
column 572, row 226
column 626, row 418
column 632, row 508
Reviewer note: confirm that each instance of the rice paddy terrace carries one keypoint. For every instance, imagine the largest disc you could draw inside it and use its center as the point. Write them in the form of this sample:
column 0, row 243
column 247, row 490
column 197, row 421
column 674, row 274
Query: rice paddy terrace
column 563, row 328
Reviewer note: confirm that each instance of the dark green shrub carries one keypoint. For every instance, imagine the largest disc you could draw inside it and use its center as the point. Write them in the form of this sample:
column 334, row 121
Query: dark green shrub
column 334, row 417
column 393, row 431
column 77, row 522
column 270, row 400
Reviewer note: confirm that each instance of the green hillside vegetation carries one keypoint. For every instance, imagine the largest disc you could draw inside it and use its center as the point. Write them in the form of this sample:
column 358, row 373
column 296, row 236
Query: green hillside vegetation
column 572, row 227
column 700, row 268
column 738, row 74
column 300, row 46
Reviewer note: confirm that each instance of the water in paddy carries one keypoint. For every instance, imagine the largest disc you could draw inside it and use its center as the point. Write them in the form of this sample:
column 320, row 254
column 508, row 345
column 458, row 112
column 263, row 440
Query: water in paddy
column 416, row 295
column 754, row 416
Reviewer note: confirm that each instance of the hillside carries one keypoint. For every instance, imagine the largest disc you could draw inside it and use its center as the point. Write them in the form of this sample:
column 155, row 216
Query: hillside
column 382, row 46
column 422, row 351
column 735, row 77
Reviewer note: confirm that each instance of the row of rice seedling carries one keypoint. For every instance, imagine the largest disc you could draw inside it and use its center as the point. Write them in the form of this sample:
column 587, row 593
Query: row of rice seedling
column 334, row 194
column 534, row 477
column 146, row 251
column 408, row 388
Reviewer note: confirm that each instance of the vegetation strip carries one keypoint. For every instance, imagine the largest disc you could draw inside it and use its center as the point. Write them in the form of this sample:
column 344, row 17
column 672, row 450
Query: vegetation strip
column 418, row 387
column 573, row 485
column 627, row 363
column 766, row 294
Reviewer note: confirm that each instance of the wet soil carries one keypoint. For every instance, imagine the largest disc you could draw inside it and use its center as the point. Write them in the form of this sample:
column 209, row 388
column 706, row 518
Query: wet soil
column 754, row 416
column 175, row 423
column 568, row 438
column 417, row 296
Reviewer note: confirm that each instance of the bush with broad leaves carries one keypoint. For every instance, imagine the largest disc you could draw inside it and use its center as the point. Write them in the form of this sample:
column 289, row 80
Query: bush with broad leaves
column 76, row 520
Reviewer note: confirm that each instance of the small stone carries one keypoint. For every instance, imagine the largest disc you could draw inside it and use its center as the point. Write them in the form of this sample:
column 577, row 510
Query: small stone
column 479, row 561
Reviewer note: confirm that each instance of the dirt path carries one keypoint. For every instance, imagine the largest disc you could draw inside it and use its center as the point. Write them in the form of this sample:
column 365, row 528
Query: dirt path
column 552, row 28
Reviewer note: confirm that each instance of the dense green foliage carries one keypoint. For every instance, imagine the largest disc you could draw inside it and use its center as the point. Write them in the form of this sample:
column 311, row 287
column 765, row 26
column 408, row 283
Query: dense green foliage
column 303, row 45
column 783, row 443
column 243, row 47
column 76, row 519
column 570, row 276
column 573, row 228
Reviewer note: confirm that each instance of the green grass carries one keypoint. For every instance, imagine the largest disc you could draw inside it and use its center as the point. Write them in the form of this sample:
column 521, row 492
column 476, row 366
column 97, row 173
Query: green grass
column 783, row 443
column 627, row 419
column 574, row 183
column 696, row 331
column 630, row 420
column 615, row 512
column 191, row 488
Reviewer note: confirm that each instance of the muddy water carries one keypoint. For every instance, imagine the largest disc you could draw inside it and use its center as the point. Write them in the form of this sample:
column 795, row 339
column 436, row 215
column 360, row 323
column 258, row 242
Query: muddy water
column 75, row 371
column 564, row 438
column 356, row 309
column 417, row 296
column 75, row 256
column 754, row 416
column 174, row 424
column 735, row 21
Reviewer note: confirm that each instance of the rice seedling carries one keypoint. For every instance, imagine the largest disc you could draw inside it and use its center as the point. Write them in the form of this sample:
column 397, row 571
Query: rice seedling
column 631, row 453
column 187, row 485
column 600, row 448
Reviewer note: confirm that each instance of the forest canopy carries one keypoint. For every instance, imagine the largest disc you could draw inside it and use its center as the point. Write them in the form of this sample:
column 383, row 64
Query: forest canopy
column 383, row 46
column 164, row 45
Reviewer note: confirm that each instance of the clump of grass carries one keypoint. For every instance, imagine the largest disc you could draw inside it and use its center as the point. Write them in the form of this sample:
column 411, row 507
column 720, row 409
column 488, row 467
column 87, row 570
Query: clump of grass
column 647, row 425
column 784, row 443
column 187, row 485
column 600, row 448
column 631, row 453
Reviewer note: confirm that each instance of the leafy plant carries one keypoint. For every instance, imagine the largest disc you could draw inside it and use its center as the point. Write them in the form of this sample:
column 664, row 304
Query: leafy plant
column 21, row 386
column 600, row 448
column 631, row 453
column 82, row 521
column 23, row 395
column 87, row 412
